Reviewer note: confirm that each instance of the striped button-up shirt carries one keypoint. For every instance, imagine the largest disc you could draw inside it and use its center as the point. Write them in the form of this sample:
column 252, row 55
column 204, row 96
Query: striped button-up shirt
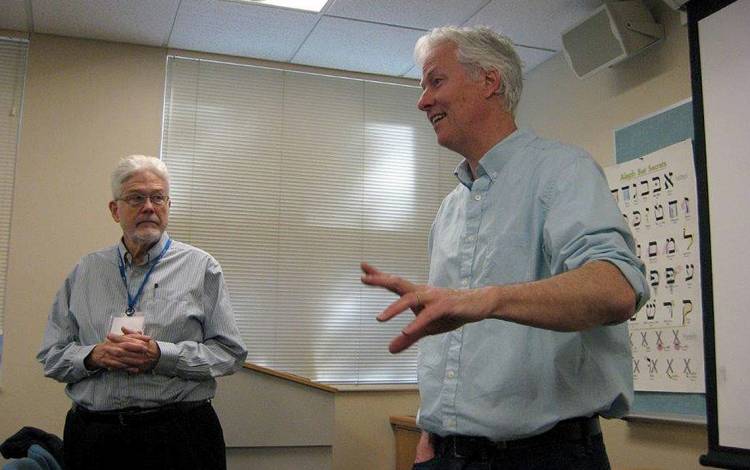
column 536, row 209
column 187, row 312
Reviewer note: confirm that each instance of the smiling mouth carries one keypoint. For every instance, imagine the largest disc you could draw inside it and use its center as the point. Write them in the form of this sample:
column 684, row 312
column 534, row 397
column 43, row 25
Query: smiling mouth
column 437, row 118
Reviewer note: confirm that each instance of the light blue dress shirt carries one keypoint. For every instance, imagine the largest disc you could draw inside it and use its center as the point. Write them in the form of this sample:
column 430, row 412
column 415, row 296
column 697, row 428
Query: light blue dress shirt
column 537, row 208
column 187, row 312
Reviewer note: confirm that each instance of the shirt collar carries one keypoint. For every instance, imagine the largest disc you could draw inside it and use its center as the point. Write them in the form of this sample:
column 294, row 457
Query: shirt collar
column 492, row 163
column 127, row 258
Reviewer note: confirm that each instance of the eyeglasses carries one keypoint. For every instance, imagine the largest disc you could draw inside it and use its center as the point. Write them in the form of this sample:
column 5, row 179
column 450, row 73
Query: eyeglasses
column 137, row 200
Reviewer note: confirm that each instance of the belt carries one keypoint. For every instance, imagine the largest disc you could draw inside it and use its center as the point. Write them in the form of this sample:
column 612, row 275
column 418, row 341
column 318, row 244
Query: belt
column 481, row 447
column 133, row 416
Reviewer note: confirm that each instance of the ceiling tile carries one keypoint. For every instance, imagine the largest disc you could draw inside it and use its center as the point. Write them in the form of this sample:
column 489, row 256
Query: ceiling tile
column 534, row 22
column 357, row 46
column 240, row 29
column 134, row 21
column 423, row 14
column 375, row 36
column 14, row 15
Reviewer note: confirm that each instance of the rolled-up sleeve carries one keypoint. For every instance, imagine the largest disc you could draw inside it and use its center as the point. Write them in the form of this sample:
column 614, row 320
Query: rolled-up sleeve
column 584, row 224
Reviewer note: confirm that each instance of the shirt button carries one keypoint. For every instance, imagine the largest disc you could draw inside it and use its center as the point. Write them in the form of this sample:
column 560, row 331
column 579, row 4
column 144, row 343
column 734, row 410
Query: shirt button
column 470, row 238
column 477, row 197
column 451, row 374
column 465, row 282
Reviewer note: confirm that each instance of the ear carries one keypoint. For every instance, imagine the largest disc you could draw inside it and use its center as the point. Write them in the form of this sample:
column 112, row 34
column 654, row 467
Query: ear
column 115, row 211
column 492, row 82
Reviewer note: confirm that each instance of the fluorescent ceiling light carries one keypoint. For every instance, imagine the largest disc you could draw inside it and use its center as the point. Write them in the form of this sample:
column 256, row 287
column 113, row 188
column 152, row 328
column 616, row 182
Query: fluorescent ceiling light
column 307, row 5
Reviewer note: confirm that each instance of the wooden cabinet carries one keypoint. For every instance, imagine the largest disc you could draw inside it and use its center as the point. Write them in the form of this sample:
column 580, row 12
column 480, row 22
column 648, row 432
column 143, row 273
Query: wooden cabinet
column 406, row 434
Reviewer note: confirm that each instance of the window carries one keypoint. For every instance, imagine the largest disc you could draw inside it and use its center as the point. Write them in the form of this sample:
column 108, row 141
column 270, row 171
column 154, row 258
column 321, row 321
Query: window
column 12, row 72
column 291, row 179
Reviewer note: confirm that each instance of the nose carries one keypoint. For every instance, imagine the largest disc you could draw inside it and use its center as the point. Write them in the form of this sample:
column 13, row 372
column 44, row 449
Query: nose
column 425, row 101
column 148, row 205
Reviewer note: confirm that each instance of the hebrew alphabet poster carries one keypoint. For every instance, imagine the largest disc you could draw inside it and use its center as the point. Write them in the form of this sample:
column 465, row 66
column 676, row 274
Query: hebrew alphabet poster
column 657, row 197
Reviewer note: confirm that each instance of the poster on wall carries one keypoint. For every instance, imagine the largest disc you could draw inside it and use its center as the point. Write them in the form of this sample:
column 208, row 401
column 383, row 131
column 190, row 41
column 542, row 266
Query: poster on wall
column 657, row 196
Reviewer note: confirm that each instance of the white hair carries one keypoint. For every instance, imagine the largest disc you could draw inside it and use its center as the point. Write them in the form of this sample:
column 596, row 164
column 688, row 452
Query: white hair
column 479, row 48
column 128, row 166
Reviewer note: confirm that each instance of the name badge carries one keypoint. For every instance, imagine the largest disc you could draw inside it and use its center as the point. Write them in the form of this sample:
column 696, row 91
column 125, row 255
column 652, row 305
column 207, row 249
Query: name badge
column 134, row 322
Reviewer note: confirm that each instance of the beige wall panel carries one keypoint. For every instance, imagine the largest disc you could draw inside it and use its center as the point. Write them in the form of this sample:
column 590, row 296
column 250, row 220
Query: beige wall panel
column 651, row 445
column 258, row 410
column 86, row 104
column 364, row 438
column 281, row 458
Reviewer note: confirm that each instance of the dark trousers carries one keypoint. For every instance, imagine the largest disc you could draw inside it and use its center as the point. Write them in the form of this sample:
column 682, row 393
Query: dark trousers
column 176, row 437
column 572, row 445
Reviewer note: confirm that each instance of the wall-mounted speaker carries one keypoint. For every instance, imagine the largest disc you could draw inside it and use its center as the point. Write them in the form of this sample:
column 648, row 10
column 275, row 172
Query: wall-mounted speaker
column 612, row 33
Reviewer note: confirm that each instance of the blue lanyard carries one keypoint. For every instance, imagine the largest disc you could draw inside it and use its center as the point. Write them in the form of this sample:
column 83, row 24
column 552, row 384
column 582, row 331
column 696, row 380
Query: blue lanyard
column 133, row 301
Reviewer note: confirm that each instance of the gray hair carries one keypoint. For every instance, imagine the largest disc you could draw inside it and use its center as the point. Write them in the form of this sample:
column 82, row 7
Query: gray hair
column 479, row 48
column 127, row 166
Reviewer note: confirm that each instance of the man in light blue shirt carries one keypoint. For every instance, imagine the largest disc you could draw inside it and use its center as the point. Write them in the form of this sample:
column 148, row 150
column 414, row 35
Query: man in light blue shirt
column 532, row 275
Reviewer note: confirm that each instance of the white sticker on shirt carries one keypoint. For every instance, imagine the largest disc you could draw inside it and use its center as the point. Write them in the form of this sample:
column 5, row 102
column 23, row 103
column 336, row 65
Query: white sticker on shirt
column 133, row 322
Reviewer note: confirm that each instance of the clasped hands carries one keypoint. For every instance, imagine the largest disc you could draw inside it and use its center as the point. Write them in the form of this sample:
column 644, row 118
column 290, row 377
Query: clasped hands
column 131, row 351
column 437, row 310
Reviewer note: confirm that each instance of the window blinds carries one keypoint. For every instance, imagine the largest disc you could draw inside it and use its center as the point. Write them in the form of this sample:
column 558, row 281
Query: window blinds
column 290, row 179
column 12, row 72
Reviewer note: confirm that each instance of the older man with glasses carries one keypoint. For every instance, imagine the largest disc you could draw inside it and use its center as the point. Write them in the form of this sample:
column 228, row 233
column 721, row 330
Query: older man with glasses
column 138, row 333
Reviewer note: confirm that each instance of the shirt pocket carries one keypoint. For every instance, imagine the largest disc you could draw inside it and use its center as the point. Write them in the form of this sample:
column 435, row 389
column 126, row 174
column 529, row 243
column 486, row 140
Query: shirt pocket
column 174, row 320
column 506, row 259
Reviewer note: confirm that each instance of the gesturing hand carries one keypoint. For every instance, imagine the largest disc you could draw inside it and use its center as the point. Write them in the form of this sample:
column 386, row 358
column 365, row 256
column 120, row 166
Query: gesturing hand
column 398, row 285
column 437, row 310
